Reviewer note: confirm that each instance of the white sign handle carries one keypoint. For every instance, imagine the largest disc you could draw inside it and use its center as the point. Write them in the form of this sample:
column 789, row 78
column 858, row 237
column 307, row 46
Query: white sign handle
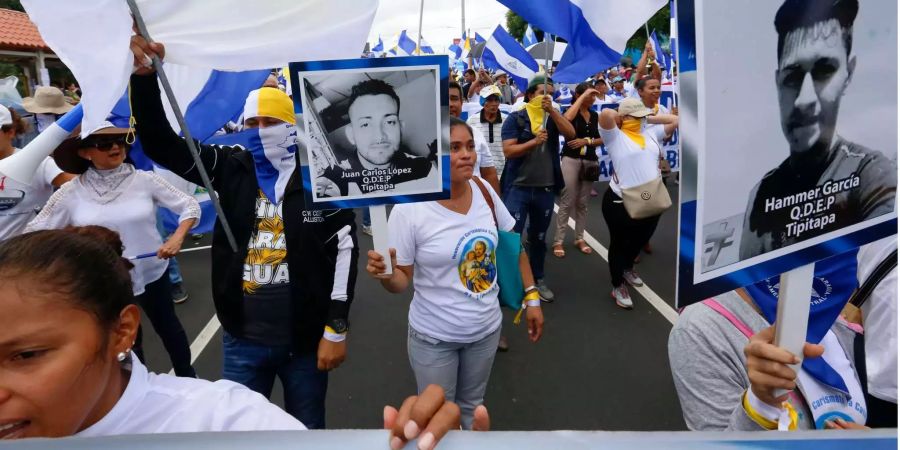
column 793, row 312
column 378, row 216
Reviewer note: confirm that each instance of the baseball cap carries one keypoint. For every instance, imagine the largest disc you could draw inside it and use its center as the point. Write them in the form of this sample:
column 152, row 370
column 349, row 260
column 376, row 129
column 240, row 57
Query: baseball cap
column 488, row 91
column 617, row 79
column 539, row 79
column 5, row 116
column 633, row 107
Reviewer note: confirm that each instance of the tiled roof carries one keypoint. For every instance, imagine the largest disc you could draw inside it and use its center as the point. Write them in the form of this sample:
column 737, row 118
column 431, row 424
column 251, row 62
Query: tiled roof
column 17, row 32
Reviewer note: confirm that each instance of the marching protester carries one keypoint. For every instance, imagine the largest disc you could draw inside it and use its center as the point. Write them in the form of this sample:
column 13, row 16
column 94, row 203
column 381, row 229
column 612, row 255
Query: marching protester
column 649, row 90
column 469, row 77
column 69, row 324
column 447, row 250
column 580, row 169
column 112, row 193
column 487, row 124
column 284, row 296
column 19, row 202
column 532, row 175
column 47, row 105
column 508, row 92
column 727, row 371
column 634, row 148
column 484, row 158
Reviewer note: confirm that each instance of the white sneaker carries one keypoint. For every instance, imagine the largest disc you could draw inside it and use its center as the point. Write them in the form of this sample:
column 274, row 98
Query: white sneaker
column 632, row 278
column 622, row 297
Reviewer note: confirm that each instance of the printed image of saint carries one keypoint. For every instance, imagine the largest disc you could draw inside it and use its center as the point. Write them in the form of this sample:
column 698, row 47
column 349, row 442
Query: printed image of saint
column 478, row 265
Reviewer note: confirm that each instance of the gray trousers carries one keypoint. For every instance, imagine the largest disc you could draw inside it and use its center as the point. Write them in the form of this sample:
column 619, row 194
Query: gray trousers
column 461, row 369
column 574, row 196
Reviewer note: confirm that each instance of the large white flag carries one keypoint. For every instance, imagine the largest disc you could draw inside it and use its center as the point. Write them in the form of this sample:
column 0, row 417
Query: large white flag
column 92, row 37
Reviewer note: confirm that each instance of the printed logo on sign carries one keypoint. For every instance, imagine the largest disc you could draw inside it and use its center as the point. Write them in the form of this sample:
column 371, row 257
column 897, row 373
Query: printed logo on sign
column 645, row 195
column 477, row 265
column 821, row 290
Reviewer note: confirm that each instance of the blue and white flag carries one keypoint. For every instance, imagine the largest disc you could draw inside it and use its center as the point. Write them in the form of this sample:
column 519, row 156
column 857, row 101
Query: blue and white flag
column 529, row 38
column 457, row 51
column 479, row 39
column 378, row 49
column 93, row 37
column 597, row 30
column 209, row 99
column 425, row 47
column 661, row 57
column 673, row 34
column 504, row 53
column 405, row 45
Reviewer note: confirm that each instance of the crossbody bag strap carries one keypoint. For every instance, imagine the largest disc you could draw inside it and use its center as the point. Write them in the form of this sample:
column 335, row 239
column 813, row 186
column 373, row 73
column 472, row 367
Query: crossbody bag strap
column 729, row 316
column 488, row 198
column 865, row 290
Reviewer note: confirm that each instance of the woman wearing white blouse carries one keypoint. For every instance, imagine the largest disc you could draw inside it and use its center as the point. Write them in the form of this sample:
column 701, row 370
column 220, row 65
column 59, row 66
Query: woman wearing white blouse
column 112, row 193
column 454, row 317
column 67, row 369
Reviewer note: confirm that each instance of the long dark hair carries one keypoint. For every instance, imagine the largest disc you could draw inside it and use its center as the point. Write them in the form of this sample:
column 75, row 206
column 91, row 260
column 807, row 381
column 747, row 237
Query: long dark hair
column 84, row 265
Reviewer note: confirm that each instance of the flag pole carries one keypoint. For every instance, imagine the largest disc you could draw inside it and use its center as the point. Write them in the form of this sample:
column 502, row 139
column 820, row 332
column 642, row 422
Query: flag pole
column 179, row 117
column 548, row 53
column 421, row 14
column 471, row 58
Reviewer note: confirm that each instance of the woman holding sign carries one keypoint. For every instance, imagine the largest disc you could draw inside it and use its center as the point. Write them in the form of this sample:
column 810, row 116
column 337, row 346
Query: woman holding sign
column 446, row 249
column 112, row 193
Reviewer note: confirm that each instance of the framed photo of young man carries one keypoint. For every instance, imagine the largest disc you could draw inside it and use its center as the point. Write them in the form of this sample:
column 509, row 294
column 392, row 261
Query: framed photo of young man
column 789, row 136
column 376, row 130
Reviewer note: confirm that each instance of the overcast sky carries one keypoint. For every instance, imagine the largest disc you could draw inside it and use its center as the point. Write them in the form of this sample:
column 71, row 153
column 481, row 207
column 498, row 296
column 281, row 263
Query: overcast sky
column 441, row 21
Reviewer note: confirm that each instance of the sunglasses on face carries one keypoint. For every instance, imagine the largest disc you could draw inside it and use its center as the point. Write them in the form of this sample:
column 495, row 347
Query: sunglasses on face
column 104, row 145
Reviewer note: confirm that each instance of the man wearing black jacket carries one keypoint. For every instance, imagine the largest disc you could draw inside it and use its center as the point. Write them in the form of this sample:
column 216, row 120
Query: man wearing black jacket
column 284, row 296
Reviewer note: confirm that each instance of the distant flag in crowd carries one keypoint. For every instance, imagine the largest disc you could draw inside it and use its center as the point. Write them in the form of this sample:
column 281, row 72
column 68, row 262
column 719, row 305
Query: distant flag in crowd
column 425, row 47
column 457, row 50
column 467, row 46
column 379, row 48
column 529, row 38
column 597, row 30
column 226, row 35
column 209, row 100
column 479, row 39
column 405, row 45
column 503, row 52
column 661, row 57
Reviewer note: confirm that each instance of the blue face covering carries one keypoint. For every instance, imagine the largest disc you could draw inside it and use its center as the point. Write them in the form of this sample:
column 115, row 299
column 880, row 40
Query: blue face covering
column 834, row 282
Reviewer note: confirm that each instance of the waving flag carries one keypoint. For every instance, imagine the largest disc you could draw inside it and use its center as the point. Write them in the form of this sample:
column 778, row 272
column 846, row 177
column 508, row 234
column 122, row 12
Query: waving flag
column 529, row 38
column 467, row 46
column 457, row 50
column 405, row 45
column 378, row 49
column 209, row 99
column 673, row 34
column 479, row 39
column 596, row 36
column 425, row 47
column 503, row 52
column 661, row 57
column 93, row 37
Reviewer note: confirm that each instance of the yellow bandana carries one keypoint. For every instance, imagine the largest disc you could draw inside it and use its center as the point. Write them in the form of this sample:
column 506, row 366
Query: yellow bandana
column 535, row 113
column 632, row 128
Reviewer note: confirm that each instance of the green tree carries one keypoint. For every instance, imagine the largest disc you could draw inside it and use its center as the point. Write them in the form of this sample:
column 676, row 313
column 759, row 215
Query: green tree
column 12, row 4
column 659, row 22
column 517, row 26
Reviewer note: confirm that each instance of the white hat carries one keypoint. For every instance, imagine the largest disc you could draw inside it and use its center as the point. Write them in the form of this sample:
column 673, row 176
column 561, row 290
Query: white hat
column 5, row 116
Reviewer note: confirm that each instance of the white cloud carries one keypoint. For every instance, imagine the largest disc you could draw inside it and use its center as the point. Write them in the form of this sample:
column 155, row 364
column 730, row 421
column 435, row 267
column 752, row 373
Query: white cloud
column 441, row 23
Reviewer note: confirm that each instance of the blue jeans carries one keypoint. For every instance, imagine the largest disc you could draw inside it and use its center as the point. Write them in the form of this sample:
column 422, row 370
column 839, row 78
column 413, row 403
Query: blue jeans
column 255, row 366
column 534, row 205
column 174, row 271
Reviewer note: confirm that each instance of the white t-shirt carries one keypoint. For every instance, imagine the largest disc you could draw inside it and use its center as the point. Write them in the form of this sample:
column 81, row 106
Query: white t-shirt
column 880, row 320
column 483, row 157
column 633, row 165
column 487, row 152
column 132, row 215
column 662, row 110
column 155, row 403
column 19, row 202
column 454, row 266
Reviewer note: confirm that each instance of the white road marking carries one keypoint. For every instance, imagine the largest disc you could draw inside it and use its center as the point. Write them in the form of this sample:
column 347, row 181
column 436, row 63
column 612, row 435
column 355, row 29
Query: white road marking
column 655, row 300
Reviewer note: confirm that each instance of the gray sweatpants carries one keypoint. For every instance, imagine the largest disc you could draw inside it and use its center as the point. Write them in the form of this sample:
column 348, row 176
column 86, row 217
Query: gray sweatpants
column 461, row 369
column 574, row 196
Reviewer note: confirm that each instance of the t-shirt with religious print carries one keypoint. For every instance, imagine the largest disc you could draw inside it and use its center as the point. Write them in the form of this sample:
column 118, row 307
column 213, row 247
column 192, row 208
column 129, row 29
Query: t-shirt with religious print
column 454, row 266
column 267, row 297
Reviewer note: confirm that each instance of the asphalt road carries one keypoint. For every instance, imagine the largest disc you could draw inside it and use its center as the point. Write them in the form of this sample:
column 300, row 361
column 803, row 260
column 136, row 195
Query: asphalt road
column 598, row 367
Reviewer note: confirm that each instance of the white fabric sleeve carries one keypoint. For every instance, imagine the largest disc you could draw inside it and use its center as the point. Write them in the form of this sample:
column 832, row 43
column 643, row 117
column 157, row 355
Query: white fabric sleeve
column 55, row 213
column 402, row 237
column 505, row 220
column 609, row 136
column 244, row 410
column 49, row 170
column 168, row 196
column 481, row 146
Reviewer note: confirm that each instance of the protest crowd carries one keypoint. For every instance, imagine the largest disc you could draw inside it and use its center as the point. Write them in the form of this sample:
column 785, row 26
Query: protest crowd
column 91, row 247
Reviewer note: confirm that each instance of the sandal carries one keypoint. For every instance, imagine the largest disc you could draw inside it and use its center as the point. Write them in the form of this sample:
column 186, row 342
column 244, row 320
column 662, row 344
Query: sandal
column 584, row 247
column 558, row 251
